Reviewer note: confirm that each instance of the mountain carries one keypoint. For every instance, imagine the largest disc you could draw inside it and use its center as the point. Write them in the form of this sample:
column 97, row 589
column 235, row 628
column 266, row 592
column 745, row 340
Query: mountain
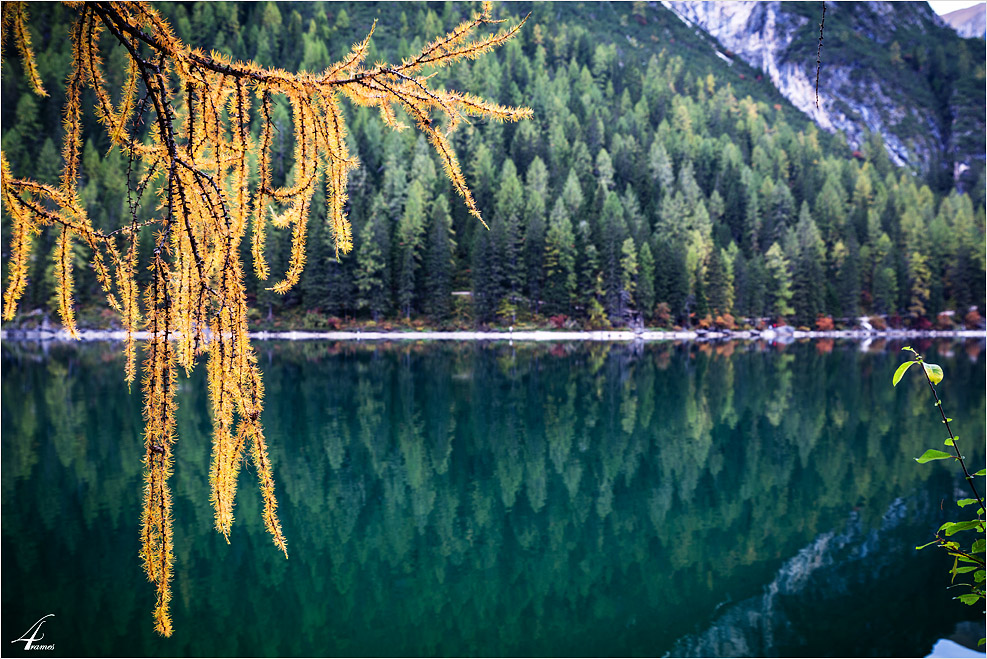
column 969, row 22
column 888, row 68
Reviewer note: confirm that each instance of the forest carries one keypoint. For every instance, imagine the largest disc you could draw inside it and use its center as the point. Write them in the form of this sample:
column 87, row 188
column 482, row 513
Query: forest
column 655, row 184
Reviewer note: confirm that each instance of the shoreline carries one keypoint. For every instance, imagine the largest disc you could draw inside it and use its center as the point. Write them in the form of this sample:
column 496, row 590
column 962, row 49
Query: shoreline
column 779, row 335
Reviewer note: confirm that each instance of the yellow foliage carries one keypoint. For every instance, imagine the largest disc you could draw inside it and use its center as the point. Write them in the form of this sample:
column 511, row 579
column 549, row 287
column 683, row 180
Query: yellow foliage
column 195, row 158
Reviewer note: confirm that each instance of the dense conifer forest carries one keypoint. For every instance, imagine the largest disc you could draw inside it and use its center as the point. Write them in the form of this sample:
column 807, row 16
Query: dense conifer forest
column 656, row 183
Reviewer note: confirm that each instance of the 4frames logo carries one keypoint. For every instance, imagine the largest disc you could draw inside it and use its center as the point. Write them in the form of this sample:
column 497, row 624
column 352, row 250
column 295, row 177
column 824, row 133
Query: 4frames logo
column 31, row 637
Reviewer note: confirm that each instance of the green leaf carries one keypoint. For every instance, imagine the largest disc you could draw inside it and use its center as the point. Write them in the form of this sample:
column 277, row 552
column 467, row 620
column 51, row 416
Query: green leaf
column 979, row 576
column 934, row 371
column 949, row 442
column 969, row 599
column 965, row 502
column 956, row 527
column 965, row 569
column 931, row 455
column 900, row 372
column 927, row 544
column 982, row 472
column 978, row 546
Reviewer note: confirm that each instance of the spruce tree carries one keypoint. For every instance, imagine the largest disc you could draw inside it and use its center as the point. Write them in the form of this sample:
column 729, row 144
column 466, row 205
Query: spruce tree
column 779, row 282
column 807, row 289
column 671, row 276
column 439, row 261
column 646, row 281
column 507, row 231
column 559, row 262
column 536, row 199
column 719, row 285
column 628, row 276
column 372, row 248
column 612, row 234
column 409, row 240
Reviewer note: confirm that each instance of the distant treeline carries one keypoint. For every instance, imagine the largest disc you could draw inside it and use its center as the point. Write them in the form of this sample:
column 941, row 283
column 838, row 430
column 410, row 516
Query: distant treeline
column 645, row 188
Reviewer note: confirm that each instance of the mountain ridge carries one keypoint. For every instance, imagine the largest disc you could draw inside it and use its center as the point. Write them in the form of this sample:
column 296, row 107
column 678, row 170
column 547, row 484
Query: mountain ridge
column 969, row 22
column 926, row 104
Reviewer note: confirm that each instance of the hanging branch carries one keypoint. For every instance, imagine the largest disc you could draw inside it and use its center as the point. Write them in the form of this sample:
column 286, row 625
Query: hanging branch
column 195, row 156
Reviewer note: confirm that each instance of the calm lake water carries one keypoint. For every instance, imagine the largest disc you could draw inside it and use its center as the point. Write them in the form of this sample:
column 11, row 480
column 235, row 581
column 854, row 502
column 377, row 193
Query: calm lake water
column 468, row 499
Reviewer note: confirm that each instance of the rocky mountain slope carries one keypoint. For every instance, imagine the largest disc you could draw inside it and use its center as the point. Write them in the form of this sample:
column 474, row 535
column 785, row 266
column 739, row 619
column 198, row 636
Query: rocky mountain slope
column 969, row 22
column 891, row 69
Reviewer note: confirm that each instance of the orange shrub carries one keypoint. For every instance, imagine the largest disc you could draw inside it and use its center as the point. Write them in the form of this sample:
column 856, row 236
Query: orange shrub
column 878, row 323
column 725, row 321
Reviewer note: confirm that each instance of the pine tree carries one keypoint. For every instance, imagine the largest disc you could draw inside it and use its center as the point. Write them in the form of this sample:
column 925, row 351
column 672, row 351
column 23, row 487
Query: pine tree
column 559, row 262
column 671, row 276
column 409, row 238
column 612, row 234
column 646, row 281
column 372, row 248
column 807, row 290
column 719, row 283
column 536, row 196
column 439, row 261
column 628, row 276
column 846, row 263
column 588, row 275
column 918, row 279
column 507, row 231
column 779, row 282
column 884, row 289
column 486, row 277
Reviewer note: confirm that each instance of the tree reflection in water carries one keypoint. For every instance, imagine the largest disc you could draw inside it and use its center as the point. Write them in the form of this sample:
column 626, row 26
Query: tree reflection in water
column 478, row 499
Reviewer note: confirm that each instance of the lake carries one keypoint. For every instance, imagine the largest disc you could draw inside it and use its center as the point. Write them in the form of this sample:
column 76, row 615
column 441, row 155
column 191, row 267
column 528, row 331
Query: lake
column 732, row 499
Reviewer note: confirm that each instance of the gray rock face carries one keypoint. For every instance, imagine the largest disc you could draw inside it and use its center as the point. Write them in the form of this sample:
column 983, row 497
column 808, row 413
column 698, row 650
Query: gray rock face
column 855, row 97
column 970, row 22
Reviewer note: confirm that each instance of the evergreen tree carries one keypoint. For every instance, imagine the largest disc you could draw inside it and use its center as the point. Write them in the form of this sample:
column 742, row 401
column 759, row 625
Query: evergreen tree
column 719, row 283
column 373, row 245
column 409, row 240
column 439, row 261
column 612, row 239
column 697, row 305
column 486, row 276
column 507, row 231
column 535, row 196
column 559, row 261
column 807, row 289
column 846, row 262
column 779, row 282
column 885, row 281
column 629, row 273
column 671, row 276
column 646, row 281
column 918, row 279
column 588, row 275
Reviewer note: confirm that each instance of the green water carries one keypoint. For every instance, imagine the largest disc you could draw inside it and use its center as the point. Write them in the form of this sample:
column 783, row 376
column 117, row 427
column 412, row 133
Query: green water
column 487, row 500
